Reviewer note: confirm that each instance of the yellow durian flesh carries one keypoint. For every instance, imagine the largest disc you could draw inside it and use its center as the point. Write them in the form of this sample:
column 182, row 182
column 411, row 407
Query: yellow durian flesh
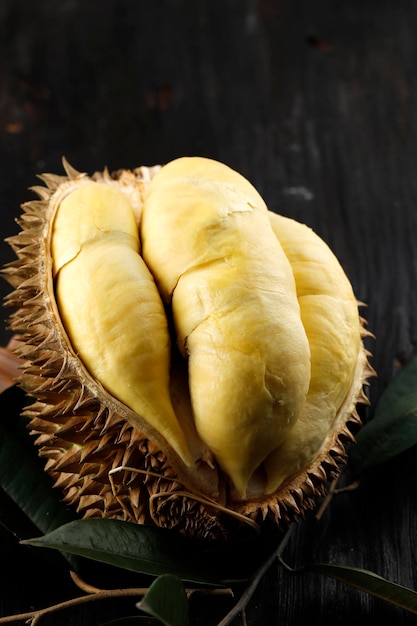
column 110, row 306
column 190, row 187
column 88, row 213
column 85, row 431
column 234, row 307
column 329, row 312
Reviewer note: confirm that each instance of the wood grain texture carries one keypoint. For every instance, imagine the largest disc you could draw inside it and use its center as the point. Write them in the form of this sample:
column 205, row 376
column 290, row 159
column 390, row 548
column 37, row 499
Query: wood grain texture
column 316, row 104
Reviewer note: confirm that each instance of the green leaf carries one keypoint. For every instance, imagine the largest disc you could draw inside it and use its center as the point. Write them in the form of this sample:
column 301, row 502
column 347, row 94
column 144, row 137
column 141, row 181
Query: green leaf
column 14, row 524
column 153, row 551
column 23, row 479
column 167, row 601
column 393, row 429
column 28, row 502
column 370, row 583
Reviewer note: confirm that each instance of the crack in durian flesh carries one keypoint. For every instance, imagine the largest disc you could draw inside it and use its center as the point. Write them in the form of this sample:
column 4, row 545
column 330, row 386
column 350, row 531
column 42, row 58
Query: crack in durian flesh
column 112, row 345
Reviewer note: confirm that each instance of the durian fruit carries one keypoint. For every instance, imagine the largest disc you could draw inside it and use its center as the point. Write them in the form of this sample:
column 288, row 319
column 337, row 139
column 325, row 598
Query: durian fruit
column 195, row 360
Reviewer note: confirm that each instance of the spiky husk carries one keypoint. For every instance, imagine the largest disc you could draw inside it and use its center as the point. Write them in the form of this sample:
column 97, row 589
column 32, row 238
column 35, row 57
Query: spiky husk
column 104, row 466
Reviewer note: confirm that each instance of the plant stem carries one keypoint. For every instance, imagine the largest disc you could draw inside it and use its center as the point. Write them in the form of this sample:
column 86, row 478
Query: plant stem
column 94, row 594
column 34, row 616
column 240, row 606
column 334, row 491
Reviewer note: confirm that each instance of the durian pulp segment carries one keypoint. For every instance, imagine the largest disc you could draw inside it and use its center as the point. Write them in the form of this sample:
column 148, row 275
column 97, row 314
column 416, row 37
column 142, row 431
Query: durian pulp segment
column 329, row 312
column 208, row 241
column 189, row 188
column 110, row 306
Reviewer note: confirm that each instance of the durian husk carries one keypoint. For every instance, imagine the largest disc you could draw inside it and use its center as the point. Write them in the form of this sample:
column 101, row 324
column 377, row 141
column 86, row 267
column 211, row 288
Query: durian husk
column 104, row 466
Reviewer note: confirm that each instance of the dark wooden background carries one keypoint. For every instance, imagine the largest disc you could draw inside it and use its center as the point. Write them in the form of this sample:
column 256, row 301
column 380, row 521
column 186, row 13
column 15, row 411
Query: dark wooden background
column 316, row 103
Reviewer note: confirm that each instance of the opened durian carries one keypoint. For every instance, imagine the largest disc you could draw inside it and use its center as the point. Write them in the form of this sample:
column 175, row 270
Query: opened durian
column 195, row 359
